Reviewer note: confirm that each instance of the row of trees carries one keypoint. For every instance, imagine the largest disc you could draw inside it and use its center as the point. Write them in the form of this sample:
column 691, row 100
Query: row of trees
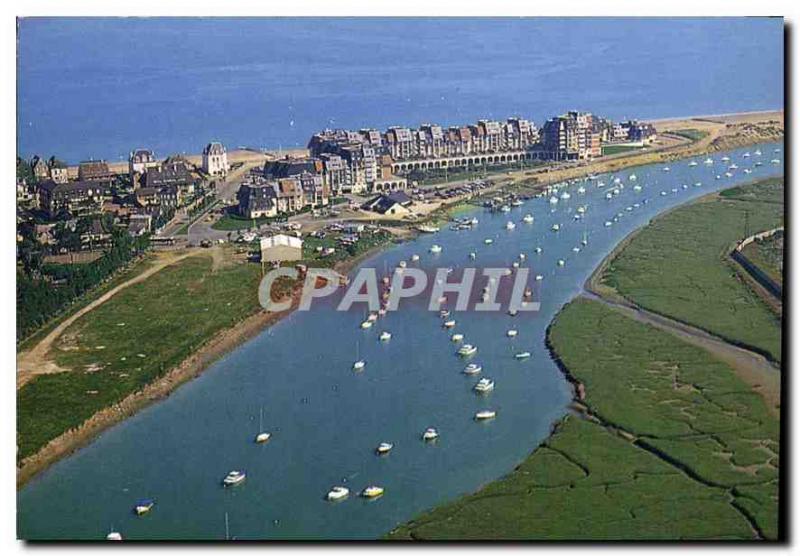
column 43, row 292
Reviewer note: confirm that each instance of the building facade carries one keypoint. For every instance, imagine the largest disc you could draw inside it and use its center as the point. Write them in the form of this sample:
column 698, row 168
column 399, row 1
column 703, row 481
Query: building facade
column 215, row 159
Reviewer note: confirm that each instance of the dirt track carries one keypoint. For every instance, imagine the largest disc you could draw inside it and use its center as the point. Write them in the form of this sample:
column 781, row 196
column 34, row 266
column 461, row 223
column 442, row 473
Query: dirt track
column 35, row 361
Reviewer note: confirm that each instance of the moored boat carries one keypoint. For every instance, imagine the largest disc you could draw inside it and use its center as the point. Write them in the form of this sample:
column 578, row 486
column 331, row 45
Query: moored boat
column 144, row 506
column 485, row 415
column 234, row 478
column 337, row 493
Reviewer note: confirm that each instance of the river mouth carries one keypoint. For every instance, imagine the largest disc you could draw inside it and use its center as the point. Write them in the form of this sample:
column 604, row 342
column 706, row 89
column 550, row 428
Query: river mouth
column 326, row 420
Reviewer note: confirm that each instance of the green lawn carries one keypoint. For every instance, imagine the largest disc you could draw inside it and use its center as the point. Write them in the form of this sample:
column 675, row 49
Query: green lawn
column 692, row 134
column 702, row 466
column 130, row 340
column 679, row 266
column 616, row 149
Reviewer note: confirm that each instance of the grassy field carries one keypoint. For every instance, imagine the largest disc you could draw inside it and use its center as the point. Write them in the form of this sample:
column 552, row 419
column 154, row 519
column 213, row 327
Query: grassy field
column 231, row 223
column 691, row 134
column 616, row 149
column 679, row 266
column 696, row 457
column 132, row 339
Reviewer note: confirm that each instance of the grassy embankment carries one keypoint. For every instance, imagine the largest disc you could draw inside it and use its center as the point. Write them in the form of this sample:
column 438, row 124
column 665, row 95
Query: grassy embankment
column 679, row 266
column 130, row 340
column 672, row 446
column 767, row 254
column 146, row 330
column 669, row 443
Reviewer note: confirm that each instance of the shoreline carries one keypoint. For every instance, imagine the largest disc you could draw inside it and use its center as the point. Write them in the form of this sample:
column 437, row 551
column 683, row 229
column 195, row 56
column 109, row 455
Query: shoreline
column 227, row 340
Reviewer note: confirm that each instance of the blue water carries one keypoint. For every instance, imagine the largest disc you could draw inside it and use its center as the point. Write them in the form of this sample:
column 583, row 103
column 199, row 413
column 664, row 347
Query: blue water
column 327, row 420
column 102, row 87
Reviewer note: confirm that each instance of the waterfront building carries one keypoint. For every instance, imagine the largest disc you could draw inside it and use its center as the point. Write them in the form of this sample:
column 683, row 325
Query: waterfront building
column 281, row 247
column 174, row 171
column 639, row 132
column 39, row 168
column 139, row 162
column 571, row 136
column 397, row 203
column 215, row 159
column 167, row 196
column 95, row 170
column 76, row 198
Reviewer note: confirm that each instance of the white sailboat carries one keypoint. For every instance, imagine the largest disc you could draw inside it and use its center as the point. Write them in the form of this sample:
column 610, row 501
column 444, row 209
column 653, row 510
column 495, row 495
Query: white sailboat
column 262, row 435
column 360, row 363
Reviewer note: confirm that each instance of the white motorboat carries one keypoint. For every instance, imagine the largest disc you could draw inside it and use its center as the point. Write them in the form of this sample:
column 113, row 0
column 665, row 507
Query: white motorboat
column 708, row 161
column 472, row 369
column 372, row 492
column 428, row 229
column 758, row 153
column 505, row 208
column 537, row 250
column 415, row 257
column 512, row 333
column 467, row 350
column 510, row 225
column 698, row 184
column 114, row 536
column 539, row 277
column 436, row 248
column 143, row 506
column 457, row 337
column 474, row 221
column 637, row 188
column 565, row 196
column 385, row 336
column 430, row 434
column 725, row 158
column 234, row 478
column 576, row 249
column 746, row 155
column 523, row 355
column 581, row 190
column 666, row 168
column 775, row 161
column 359, row 365
column 449, row 323
column 609, row 196
column 384, row 448
column 553, row 200
column 488, row 241
column 338, row 493
column 555, row 227
column 693, row 163
column 528, row 219
column 366, row 324
column 472, row 255
column 522, row 256
column 484, row 385
column 561, row 262
column 485, row 415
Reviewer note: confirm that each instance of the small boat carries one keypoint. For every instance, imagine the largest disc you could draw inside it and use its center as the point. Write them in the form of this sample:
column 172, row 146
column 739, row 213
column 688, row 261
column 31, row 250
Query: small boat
column 144, row 506
column 457, row 337
column 467, row 350
column 758, row 153
column 512, row 333
column 565, row 196
column 505, row 208
column 528, row 219
column 637, row 188
column 733, row 167
column 402, row 264
column 523, row 355
column 415, row 257
column 474, row 221
column 663, row 194
column 576, row 249
column 337, row 493
column 472, row 255
column 775, row 161
column 746, row 155
column 234, row 478
column 539, row 277
column 360, row 363
column 485, row 415
column 585, row 238
column 725, row 158
column 444, row 313
column 512, row 312
column 372, row 317
column 262, row 436
column 609, row 196
column 581, row 190
column 693, row 163
column 537, row 250
column 561, row 262
column 555, row 227
column 488, row 241
column 516, row 203
column 472, row 369
column 436, row 248
column 666, row 168
column 384, row 448
column 484, row 385
column 372, row 492
column 698, row 184
column 114, row 536
column 449, row 323
column 553, row 200
column 430, row 434
column 428, row 229
column 366, row 324
column 708, row 161
column 385, row 336
column 510, row 225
